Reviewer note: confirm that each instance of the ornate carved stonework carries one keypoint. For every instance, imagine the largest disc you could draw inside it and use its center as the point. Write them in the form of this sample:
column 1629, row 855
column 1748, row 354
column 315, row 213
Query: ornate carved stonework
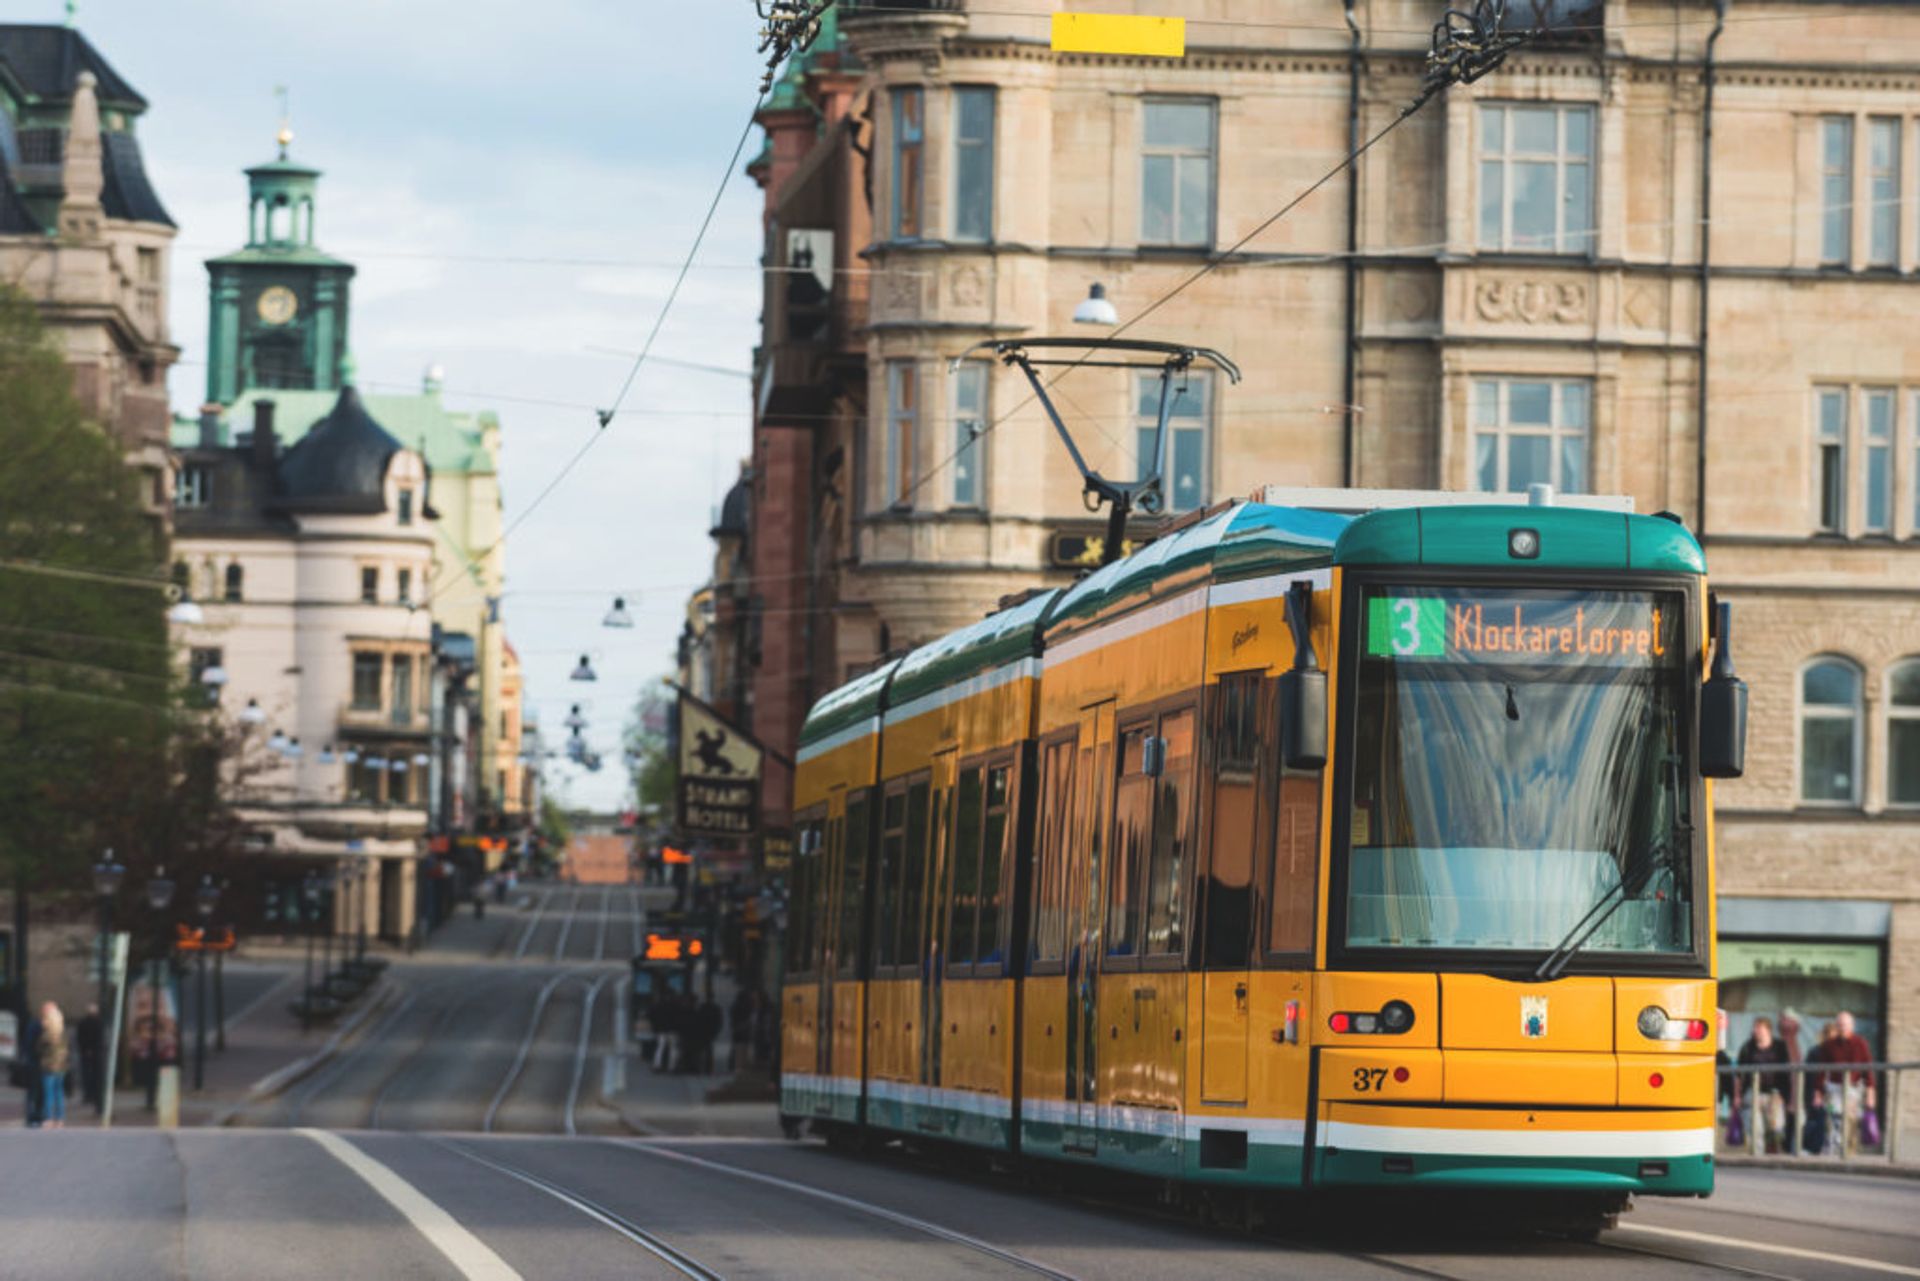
column 1533, row 302
column 967, row 287
column 902, row 290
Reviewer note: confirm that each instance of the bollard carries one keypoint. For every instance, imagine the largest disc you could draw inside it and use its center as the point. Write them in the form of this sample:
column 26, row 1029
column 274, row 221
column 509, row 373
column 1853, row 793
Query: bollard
column 613, row 1074
column 167, row 1099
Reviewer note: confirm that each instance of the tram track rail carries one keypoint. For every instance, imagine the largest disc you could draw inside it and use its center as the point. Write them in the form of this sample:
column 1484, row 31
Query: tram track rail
column 912, row 1223
column 566, row 927
column 525, row 1049
column 679, row 1260
column 309, row 1091
column 533, row 924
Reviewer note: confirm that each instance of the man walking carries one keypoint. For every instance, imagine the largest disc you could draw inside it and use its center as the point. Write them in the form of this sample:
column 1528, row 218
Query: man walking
column 89, row 1036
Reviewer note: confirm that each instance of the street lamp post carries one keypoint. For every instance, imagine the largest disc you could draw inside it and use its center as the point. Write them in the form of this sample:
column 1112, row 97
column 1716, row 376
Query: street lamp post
column 159, row 898
column 366, row 866
column 220, row 997
column 107, row 875
column 327, row 881
column 205, row 899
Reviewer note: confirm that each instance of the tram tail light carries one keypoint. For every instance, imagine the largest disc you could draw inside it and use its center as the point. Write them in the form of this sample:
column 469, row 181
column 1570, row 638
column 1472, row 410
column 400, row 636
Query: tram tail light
column 1655, row 1025
column 1393, row 1018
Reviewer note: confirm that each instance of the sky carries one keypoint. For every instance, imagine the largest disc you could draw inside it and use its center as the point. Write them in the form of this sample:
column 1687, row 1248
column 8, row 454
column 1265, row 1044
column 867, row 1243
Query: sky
column 517, row 185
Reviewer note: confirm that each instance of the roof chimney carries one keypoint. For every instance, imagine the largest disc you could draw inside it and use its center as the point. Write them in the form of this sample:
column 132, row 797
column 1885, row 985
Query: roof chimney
column 209, row 426
column 265, row 448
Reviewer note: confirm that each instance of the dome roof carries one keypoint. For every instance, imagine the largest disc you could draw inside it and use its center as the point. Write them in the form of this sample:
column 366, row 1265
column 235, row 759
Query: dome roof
column 733, row 513
column 341, row 463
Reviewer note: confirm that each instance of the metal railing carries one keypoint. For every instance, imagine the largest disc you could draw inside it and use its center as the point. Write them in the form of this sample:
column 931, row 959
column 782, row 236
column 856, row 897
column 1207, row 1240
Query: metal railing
column 1822, row 1112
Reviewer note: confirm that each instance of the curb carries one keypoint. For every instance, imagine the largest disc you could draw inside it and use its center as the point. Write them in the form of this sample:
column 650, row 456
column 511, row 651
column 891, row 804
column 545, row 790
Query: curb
column 1868, row 1167
column 279, row 1080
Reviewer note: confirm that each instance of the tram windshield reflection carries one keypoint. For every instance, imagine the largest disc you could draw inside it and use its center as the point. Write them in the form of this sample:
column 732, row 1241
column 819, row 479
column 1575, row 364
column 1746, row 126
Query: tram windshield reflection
column 1517, row 753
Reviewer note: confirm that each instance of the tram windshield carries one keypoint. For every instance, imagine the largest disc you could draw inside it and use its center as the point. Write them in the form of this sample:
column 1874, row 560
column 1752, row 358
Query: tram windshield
column 1520, row 757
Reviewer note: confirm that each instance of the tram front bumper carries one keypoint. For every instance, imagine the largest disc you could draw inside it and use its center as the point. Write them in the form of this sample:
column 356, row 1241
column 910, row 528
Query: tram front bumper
column 1667, row 1152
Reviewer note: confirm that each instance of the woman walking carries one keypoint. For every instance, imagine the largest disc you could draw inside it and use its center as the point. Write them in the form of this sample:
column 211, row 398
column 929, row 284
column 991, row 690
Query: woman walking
column 52, row 1052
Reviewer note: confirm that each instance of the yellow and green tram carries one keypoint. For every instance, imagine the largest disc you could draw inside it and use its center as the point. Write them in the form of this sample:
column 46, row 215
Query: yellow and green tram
column 1296, row 850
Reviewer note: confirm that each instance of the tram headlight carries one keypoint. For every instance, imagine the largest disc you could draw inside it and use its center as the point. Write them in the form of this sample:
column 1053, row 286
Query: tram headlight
column 1392, row 1019
column 1523, row 544
column 1396, row 1016
column 1655, row 1025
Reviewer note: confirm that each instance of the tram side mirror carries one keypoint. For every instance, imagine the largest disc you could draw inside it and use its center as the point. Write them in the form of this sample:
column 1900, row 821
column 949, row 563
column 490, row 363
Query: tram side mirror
column 1723, row 706
column 1303, row 689
column 1153, row 756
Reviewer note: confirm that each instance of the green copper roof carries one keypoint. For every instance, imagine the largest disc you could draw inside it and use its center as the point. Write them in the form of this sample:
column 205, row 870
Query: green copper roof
column 1243, row 540
column 281, row 256
column 995, row 640
column 450, row 440
column 1570, row 538
column 860, row 699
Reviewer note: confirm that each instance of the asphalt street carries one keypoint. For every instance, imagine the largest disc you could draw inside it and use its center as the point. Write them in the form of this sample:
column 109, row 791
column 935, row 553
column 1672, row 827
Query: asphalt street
column 462, row 1134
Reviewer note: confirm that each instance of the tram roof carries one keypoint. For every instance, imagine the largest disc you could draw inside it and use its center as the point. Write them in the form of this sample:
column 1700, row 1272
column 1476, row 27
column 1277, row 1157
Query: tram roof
column 997, row 639
column 858, row 700
column 1236, row 542
column 1570, row 538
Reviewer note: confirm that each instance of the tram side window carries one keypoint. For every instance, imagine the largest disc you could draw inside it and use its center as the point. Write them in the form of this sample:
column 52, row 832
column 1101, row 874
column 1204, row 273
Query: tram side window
column 826, row 944
column 1132, row 829
column 993, row 849
column 966, row 870
column 1296, row 860
column 1172, row 837
column 1227, row 931
column 913, row 878
column 804, row 927
column 1055, row 822
column 893, row 839
column 853, row 884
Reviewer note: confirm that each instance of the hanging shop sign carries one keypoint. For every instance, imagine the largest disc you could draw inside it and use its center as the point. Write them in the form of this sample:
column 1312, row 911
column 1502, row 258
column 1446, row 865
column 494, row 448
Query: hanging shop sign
column 719, row 783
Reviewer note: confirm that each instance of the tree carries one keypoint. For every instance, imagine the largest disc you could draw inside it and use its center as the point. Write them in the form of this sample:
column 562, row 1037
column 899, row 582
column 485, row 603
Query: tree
column 103, row 749
column 650, row 751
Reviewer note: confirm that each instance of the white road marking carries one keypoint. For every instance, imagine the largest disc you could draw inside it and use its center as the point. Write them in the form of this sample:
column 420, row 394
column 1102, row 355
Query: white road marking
column 464, row 1250
column 1786, row 1251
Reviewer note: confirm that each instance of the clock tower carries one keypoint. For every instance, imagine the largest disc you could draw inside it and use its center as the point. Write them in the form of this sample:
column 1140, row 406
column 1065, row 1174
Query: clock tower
column 278, row 317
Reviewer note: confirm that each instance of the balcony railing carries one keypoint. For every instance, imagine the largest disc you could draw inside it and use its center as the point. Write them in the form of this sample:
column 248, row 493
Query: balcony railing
column 396, row 720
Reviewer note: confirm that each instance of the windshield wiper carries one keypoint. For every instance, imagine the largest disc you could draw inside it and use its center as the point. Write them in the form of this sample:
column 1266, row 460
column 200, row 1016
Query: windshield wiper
column 1633, row 880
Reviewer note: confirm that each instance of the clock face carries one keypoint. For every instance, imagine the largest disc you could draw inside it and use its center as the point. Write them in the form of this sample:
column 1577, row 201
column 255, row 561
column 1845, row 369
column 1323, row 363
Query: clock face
column 278, row 304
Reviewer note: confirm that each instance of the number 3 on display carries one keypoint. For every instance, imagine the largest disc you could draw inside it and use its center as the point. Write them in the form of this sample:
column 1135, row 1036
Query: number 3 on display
column 1406, row 626
column 1369, row 1080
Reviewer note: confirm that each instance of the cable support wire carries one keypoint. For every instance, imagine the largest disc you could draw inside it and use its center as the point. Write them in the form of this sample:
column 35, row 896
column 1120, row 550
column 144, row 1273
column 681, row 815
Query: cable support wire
column 1463, row 47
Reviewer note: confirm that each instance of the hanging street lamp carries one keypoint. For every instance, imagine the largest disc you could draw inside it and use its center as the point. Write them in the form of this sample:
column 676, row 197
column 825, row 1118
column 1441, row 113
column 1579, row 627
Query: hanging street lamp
column 584, row 672
column 618, row 615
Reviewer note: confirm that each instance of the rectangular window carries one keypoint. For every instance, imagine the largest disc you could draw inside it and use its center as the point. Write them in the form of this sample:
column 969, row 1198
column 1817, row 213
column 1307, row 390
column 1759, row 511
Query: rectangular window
column 913, row 878
column 200, row 661
column 1050, row 877
column 405, row 509
column 1132, row 829
column 1176, row 173
column 853, row 884
column 969, row 425
column 973, row 164
column 1836, row 189
column 1883, row 191
column 1877, row 476
column 370, row 584
column 149, row 264
column 1296, row 863
column 402, row 688
column 1172, row 849
column 1830, row 443
column 366, row 681
column 893, row 848
column 993, row 848
column 1536, row 178
column 1185, row 469
column 909, row 169
column 902, row 417
column 967, row 815
column 1227, row 930
column 403, row 581
column 1530, row 431
column 192, row 487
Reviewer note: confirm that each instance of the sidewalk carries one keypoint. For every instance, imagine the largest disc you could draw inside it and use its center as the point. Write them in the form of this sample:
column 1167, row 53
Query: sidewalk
column 658, row 1104
column 262, row 1039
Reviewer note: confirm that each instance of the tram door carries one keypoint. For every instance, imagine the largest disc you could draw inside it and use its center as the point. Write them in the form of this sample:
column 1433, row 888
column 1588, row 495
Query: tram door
column 934, row 962
column 829, row 869
column 1092, row 804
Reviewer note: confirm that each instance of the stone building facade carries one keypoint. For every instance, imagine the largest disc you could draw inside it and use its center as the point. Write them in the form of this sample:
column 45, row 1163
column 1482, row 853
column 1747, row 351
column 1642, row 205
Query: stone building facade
column 1667, row 251
column 84, row 234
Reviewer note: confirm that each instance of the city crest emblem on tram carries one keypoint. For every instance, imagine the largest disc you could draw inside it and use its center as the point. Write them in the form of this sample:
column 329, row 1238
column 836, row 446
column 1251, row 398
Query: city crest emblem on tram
column 1533, row 1017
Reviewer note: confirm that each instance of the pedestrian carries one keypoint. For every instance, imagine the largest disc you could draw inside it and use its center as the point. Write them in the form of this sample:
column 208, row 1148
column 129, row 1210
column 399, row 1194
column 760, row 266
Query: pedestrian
column 1789, row 1036
column 707, row 1021
column 90, row 1040
column 1853, row 1092
column 740, row 1025
column 1818, row 1130
column 29, row 1078
column 51, row 1052
column 667, row 1028
column 1761, row 1050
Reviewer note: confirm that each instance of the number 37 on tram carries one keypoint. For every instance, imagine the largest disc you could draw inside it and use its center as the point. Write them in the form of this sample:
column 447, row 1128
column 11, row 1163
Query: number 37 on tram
column 1302, row 848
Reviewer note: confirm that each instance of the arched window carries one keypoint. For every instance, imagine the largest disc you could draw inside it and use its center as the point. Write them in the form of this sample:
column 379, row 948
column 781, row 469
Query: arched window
column 1830, row 732
column 235, row 580
column 279, row 221
column 1903, row 733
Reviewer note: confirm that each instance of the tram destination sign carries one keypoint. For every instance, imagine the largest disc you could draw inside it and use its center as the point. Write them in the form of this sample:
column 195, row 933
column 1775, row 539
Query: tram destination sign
column 1608, row 629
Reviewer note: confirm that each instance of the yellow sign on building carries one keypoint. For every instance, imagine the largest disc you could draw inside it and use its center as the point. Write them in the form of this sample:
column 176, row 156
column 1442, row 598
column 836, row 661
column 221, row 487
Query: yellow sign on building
column 1135, row 35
